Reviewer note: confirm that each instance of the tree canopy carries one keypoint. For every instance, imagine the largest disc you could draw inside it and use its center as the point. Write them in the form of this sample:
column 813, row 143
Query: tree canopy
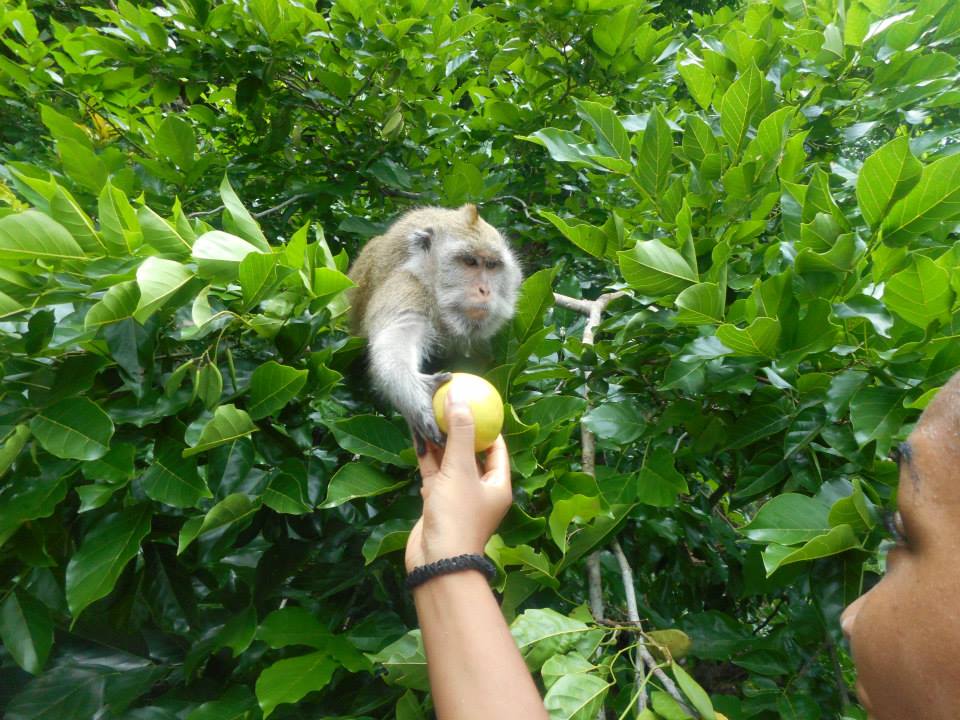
column 202, row 506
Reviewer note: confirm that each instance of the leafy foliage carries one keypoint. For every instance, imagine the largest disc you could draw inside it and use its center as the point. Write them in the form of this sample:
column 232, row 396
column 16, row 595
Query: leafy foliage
column 202, row 508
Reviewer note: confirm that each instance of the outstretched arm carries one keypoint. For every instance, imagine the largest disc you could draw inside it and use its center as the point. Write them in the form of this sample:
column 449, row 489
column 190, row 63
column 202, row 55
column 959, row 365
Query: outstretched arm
column 476, row 671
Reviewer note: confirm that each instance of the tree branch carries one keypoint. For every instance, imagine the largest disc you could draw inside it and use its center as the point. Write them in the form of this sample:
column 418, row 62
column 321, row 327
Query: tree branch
column 644, row 654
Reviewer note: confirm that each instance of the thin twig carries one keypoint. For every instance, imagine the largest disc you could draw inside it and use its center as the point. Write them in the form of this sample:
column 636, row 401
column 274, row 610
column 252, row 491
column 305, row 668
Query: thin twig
column 838, row 673
column 647, row 659
column 262, row 213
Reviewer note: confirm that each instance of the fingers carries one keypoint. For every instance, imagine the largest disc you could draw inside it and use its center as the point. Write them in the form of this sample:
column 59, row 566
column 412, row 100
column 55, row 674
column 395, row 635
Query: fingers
column 459, row 456
column 429, row 461
column 497, row 468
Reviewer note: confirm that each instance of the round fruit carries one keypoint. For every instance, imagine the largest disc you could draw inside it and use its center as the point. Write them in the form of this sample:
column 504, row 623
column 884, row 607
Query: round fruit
column 484, row 402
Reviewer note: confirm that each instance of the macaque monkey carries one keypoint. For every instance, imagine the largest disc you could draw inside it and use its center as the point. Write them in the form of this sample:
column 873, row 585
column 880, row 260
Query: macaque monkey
column 438, row 282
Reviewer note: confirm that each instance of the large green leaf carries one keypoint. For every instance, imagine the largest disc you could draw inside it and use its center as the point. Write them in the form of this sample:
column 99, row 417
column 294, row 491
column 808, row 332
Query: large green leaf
column 658, row 482
column 357, row 480
column 233, row 509
column 611, row 135
column 542, row 633
column 173, row 479
column 697, row 695
column 740, row 105
column 31, row 235
column 886, row 176
column 656, row 156
column 576, row 697
column 104, row 551
column 218, row 254
column 789, row 519
column 75, row 428
column 118, row 303
column 933, row 200
column 272, row 386
column 238, row 220
column 176, row 141
column 293, row 626
column 162, row 235
column 700, row 304
column 836, row 540
column 655, row 269
column 877, row 413
column 159, row 280
column 287, row 681
column 372, row 436
column 758, row 338
column 227, row 424
column 920, row 293
column 26, row 630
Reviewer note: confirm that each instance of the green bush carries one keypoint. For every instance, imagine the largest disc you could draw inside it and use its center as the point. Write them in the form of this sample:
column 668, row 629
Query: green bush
column 202, row 508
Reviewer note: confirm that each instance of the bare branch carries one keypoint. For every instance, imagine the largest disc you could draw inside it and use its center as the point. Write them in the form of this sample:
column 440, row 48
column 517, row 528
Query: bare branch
column 581, row 306
column 595, row 586
column 646, row 658
column 262, row 213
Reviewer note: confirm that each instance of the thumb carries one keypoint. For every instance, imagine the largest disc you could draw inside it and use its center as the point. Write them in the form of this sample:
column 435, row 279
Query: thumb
column 458, row 456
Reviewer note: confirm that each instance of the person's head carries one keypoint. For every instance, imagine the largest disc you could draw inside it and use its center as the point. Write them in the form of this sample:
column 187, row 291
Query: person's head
column 905, row 632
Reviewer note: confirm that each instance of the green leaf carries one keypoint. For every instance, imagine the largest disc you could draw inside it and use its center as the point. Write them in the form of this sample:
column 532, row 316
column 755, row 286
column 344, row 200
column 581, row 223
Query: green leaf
column 31, row 235
column 658, row 482
column 759, row 338
column 27, row 498
column 696, row 694
column 287, row 681
column 257, row 273
column 698, row 79
column 886, row 176
column 576, row 697
column 920, row 293
column 655, row 270
column 932, row 201
column 219, row 254
column 789, row 519
column 611, row 135
column 877, row 413
column 118, row 221
column 236, row 704
column 565, row 146
column 357, row 480
column 578, row 508
column 542, row 633
column 837, row 540
column 535, row 298
column 386, row 538
column 118, row 303
column 26, row 630
column 12, row 445
column 161, row 235
column 620, row 422
column 585, row 236
column 560, row 665
column 159, row 280
column 67, row 211
column 237, row 220
column 287, row 493
column 700, row 304
column 228, row 423
column 171, row 478
column 372, row 436
column 235, row 508
column 740, row 105
column 209, row 385
column 176, row 141
column 405, row 662
column 272, row 386
column 105, row 550
column 75, row 428
column 293, row 626
column 655, row 158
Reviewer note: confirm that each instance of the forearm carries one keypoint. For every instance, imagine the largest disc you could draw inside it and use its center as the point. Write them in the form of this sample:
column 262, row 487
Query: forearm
column 476, row 671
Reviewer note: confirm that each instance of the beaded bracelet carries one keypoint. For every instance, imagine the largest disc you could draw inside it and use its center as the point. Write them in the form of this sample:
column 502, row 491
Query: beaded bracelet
column 421, row 574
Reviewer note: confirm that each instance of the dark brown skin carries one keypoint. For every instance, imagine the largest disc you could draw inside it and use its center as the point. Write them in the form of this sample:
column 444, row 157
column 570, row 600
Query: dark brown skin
column 905, row 632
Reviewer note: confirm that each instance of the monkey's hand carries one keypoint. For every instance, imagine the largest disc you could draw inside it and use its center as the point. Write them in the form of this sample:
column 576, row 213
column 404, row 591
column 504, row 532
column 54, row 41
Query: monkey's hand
column 422, row 420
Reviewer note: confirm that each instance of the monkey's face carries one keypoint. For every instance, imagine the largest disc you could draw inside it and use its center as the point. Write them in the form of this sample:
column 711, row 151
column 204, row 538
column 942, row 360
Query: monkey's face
column 477, row 285
column 905, row 632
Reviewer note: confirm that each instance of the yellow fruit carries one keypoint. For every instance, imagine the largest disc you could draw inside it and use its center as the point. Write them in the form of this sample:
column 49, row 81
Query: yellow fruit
column 484, row 402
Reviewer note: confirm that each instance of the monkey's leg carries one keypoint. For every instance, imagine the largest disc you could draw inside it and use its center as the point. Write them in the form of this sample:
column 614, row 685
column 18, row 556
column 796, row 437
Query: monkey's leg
column 396, row 353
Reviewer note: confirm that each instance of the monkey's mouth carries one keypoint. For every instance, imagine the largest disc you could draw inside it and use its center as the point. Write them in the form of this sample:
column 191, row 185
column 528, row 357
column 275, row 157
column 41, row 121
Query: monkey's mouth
column 476, row 311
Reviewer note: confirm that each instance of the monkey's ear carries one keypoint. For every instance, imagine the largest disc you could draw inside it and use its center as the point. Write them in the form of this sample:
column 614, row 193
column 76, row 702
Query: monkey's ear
column 470, row 210
column 421, row 239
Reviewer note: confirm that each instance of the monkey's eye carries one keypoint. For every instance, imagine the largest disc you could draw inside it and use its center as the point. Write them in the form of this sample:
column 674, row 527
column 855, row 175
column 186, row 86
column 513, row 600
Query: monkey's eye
column 469, row 261
column 493, row 264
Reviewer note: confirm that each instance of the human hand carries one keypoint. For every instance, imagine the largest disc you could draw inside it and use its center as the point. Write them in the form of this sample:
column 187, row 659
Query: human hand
column 462, row 503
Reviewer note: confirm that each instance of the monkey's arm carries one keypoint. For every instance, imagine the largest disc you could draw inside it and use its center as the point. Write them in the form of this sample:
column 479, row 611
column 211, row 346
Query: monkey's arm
column 397, row 350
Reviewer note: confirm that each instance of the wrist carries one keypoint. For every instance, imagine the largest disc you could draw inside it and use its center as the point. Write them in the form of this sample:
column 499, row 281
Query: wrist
column 456, row 564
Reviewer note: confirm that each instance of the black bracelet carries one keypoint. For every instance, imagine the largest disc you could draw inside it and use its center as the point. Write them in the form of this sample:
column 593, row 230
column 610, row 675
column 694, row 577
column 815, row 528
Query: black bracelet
column 418, row 576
